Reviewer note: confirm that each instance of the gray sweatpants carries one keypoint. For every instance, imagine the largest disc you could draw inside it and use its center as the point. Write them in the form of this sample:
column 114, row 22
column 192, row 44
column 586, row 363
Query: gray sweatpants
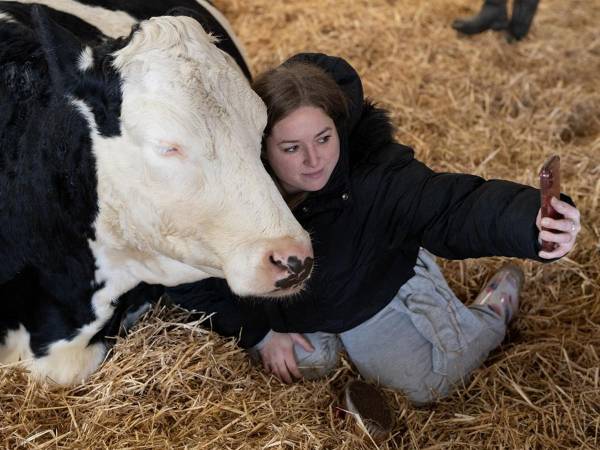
column 423, row 343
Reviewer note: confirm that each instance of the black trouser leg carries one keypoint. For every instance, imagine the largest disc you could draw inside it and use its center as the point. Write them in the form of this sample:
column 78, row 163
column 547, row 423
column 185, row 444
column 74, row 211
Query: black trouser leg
column 522, row 17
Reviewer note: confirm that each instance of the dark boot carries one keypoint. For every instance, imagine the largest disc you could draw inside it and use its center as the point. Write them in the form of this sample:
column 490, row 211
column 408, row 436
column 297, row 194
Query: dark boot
column 522, row 17
column 492, row 16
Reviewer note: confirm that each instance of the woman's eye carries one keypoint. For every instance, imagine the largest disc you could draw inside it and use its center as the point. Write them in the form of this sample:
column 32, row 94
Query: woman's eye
column 324, row 139
column 291, row 149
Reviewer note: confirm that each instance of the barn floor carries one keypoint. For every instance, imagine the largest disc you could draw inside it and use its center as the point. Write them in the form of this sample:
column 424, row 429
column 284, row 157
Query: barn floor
column 476, row 105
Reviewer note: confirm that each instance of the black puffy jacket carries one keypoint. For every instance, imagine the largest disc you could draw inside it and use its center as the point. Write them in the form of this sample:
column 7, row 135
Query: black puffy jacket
column 367, row 224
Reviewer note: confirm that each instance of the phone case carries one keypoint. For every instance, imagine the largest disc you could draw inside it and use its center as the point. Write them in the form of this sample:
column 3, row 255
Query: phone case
column 550, row 187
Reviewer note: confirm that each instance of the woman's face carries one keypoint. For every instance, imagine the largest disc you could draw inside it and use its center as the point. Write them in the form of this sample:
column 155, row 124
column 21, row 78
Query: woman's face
column 303, row 149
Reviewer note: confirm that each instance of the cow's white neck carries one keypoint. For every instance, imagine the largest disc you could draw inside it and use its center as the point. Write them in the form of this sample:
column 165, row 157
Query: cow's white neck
column 126, row 266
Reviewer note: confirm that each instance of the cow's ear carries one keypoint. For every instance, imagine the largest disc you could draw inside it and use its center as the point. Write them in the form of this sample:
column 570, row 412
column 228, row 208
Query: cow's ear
column 215, row 27
column 183, row 11
column 61, row 47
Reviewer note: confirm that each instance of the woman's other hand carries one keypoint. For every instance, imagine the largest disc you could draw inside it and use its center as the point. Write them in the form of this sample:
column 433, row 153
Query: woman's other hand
column 278, row 355
column 566, row 229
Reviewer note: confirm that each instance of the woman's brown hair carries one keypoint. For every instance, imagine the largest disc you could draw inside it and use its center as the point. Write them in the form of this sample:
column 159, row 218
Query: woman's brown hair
column 294, row 84
column 297, row 83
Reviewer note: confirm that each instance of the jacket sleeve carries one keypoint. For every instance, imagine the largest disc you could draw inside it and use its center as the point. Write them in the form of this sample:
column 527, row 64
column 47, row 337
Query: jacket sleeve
column 459, row 216
column 231, row 316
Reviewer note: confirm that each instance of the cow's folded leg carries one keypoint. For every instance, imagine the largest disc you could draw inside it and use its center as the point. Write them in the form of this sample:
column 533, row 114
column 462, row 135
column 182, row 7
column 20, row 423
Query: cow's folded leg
column 63, row 350
column 52, row 340
column 14, row 337
column 63, row 362
column 68, row 362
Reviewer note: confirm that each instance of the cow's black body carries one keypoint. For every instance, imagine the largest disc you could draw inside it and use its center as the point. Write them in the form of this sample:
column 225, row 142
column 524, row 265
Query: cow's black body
column 48, row 186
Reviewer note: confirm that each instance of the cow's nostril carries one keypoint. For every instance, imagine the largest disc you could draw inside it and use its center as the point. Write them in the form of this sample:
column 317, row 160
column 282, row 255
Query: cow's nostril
column 294, row 264
column 277, row 263
column 308, row 264
column 301, row 273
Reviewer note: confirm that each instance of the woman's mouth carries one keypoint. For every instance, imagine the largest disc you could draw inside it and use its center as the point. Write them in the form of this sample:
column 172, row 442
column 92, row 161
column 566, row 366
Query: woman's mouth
column 314, row 175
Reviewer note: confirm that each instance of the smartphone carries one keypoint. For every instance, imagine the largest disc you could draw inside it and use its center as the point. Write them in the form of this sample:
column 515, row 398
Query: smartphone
column 550, row 187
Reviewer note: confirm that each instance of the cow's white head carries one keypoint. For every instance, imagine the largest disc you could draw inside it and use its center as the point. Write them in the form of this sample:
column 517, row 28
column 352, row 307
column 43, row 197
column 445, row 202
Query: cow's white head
column 182, row 191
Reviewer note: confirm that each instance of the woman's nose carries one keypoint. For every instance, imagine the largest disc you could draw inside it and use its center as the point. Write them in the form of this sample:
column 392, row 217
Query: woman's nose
column 312, row 158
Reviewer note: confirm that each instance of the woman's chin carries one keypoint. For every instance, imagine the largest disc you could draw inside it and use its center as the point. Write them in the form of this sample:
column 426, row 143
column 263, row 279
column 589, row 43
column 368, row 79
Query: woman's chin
column 314, row 185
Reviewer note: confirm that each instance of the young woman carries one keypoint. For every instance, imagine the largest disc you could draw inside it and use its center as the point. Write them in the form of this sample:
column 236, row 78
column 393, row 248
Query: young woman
column 372, row 209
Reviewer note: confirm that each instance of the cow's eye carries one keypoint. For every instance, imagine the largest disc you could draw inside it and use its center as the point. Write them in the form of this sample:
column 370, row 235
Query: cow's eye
column 169, row 150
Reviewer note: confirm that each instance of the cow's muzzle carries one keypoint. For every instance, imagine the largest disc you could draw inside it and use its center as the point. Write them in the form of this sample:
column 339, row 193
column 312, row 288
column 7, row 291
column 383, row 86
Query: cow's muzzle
column 297, row 270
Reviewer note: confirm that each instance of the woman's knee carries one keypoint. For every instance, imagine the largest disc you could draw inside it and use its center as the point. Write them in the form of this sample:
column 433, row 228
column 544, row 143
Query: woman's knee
column 426, row 393
column 323, row 360
column 421, row 392
column 313, row 368
column 435, row 386
column 422, row 398
column 422, row 381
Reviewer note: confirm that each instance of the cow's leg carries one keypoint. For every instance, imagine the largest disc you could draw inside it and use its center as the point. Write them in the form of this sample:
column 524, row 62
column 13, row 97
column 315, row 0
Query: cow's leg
column 68, row 362
column 14, row 337
column 64, row 351
column 41, row 334
column 14, row 344
column 58, row 342
column 72, row 359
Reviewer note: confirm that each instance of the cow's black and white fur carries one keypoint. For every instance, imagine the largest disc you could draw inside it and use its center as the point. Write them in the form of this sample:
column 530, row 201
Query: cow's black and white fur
column 49, row 294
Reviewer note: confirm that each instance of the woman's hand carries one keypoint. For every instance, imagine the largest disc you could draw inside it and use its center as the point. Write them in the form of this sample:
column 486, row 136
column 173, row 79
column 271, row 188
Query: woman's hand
column 278, row 355
column 568, row 227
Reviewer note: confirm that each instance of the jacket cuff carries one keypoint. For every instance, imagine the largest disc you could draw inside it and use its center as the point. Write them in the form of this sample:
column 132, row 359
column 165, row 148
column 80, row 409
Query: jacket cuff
column 261, row 344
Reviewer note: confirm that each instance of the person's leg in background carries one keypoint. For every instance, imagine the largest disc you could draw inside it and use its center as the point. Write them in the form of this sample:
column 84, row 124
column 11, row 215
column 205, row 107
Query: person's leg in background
column 494, row 16
column 522, row 18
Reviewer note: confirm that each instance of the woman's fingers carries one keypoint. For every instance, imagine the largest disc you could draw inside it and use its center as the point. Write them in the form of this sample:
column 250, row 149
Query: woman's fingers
column 275, row 365
column 566, row 225
column 564, row 243
column 559, row 238
column 567, row 211
column 564, row 231
column 292, row 366
column 558, row 252
column 282, row 372
column 278, row 356
column 299, row 339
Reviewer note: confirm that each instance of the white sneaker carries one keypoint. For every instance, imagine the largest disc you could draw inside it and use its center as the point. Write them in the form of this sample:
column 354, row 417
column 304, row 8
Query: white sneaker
column 501, row 293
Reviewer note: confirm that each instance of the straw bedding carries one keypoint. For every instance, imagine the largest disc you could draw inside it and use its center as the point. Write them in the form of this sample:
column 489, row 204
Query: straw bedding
column 476, row 105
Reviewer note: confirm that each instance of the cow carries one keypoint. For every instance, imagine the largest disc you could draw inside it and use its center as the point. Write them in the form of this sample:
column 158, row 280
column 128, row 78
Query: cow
column 129, row 160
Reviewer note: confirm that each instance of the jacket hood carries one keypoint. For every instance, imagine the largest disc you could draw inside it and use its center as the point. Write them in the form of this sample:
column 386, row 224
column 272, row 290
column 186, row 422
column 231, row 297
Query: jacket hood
column 366, row 129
